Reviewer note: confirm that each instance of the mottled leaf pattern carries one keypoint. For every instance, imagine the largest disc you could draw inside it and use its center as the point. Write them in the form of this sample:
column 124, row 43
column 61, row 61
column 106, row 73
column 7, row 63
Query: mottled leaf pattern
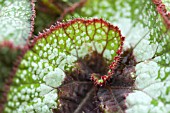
column 16, row 21
column 54, row 74
column 53, row 54
column 150, row 38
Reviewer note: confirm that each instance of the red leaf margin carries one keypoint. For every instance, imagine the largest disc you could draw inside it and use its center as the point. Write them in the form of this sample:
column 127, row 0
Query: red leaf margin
column 45, row 33
column 59, row 25
column 161, row 8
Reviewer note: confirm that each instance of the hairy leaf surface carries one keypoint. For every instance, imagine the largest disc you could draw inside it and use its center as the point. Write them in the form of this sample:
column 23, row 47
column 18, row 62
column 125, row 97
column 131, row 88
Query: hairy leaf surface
column 149, row 37
column 66, row 55
column 16, row 21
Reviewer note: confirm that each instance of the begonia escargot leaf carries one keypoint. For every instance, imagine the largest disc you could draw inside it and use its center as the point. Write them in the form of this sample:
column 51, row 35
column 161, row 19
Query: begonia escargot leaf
column 17, row 18
column 54, row 74
column 152, row 74
column 152, row 81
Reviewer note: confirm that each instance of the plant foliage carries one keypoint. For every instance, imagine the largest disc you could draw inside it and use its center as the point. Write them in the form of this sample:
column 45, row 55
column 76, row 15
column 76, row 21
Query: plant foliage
column 85, row 65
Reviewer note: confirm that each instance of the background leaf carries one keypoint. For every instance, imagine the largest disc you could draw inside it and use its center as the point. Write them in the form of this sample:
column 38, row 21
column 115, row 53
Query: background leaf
column 16, row 21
